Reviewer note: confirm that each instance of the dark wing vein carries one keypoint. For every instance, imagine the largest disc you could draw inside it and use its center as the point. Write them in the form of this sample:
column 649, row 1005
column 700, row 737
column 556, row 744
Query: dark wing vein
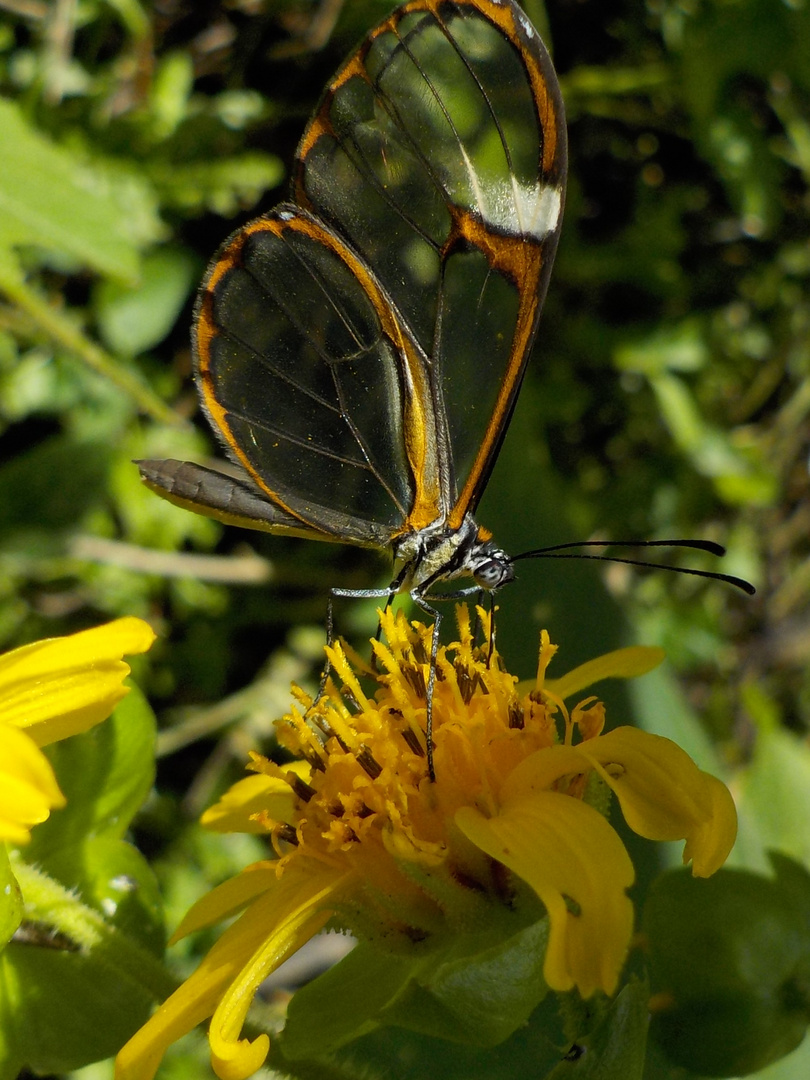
column 268, row 365
column 296, row 440
column 319, row 281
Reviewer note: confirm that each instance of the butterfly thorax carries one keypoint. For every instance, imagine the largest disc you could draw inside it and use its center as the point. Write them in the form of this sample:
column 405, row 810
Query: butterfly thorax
column 441, row 553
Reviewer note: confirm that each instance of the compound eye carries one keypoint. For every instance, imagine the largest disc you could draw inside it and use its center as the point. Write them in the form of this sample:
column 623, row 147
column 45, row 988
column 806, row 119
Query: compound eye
column 493, row 573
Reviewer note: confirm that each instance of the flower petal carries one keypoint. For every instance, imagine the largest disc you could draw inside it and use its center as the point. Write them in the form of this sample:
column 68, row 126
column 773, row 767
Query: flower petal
column 60, row 686
column 273, row 927
column 256, row 794
column 568, row 853
column 228, row 898
column 28, row 787
column 665, row 796
column 709, row 845
column 620, row 664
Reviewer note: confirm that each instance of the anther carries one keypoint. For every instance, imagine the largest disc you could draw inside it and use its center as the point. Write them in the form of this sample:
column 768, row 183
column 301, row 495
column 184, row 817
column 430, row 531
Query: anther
column 415, row 679
column 287, row 834
column 419, row 652
column 412, row 739
column 516, row 716
column 365, row 759
column 302, row 789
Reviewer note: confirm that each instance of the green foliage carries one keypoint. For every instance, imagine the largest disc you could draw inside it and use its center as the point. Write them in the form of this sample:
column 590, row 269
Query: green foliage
column 669, row 396
column 83, row 968
column 730, row 967
column 479, row 998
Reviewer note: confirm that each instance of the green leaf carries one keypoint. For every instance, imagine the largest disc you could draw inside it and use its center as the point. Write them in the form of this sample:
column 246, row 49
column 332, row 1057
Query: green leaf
column 774, row 789
column 615, row 1048
column 471, row 992
column 48, row 199
column 730, row 966
column 132, row 320
column 364, row 982
column 11, row 903
column 50, row 486
column 392, row 1053
column 105, row 774
column 479, row 998
column 72, row 989
column 223, row 185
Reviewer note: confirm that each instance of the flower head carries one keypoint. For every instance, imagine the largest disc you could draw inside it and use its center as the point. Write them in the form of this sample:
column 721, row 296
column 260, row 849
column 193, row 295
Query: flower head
column 49, row 690
column 366, row 839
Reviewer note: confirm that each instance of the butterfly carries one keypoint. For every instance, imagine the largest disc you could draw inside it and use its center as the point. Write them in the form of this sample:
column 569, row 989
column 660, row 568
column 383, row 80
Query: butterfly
column 359, row 349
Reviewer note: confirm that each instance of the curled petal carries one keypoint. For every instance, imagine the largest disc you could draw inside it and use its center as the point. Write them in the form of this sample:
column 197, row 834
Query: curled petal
column 233, row 1058
column 275, row 925
column 60, row 686
column 665, row 796
column 28, row 787
column 568, row 853
column 709, row 845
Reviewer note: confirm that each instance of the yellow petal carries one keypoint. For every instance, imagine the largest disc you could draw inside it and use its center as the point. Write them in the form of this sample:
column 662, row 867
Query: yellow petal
column 275, row 926
column 254, row 795
column 568, row 853
column 228, row 898
column 665, row 796
column 620, row 664
column 60, row 686
column 540, row 770
column 28, row 787
column 233, row 1058
column 709, row 845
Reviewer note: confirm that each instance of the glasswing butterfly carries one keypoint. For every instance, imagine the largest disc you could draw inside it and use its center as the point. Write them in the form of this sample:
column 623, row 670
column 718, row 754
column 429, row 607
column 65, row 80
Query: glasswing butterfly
column 359, row 349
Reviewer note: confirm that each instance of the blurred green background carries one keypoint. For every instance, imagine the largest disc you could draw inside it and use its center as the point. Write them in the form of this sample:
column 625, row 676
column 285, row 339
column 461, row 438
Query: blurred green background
column 668, row 395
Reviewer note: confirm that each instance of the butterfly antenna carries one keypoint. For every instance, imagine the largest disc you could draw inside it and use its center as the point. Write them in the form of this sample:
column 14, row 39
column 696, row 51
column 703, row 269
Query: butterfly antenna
column 563, row 551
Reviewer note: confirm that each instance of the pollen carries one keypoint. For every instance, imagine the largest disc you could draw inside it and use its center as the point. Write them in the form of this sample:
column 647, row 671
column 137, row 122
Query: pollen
column 369, row 796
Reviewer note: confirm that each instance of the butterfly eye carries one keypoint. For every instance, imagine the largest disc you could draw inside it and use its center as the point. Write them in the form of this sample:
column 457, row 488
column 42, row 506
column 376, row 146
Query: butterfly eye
column 494, row 572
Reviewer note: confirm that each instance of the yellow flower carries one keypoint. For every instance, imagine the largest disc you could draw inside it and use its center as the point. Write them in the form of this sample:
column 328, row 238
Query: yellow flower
column 49, row 690
column 367, row 840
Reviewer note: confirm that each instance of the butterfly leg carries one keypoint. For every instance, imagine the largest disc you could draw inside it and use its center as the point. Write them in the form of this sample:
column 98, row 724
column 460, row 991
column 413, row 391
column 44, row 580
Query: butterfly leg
column 356, row 594
column 434, row 614
column 419, row 599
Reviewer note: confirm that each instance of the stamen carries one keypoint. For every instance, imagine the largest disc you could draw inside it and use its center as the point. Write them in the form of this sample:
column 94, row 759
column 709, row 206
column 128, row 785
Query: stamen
column 315, row 761
column 350, row 700
column 517, row 717
column 285, row 834
column 420, row 653
column 365, row 759
column 415, row 678
column 412, row 740
column 301, row 788
column 466, row 681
